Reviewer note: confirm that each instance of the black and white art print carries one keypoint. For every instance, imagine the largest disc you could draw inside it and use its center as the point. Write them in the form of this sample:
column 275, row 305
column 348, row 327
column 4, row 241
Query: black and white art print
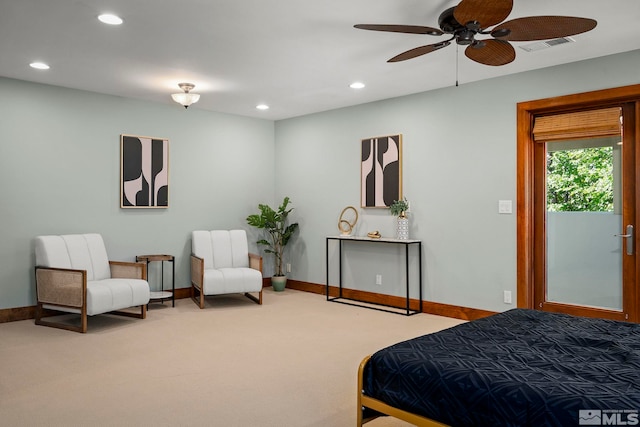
column 381, row 171
column 144, row 172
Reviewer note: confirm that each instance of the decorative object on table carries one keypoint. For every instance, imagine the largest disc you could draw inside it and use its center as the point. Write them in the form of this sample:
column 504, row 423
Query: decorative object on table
column 344, row 225
column 374, row 234
column 399, row 208
column 144, row 172
column 278, row 233
column 381, row 171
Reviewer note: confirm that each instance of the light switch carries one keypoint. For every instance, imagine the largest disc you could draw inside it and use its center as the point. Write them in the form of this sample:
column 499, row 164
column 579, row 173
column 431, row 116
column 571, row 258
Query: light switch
column 505, row 207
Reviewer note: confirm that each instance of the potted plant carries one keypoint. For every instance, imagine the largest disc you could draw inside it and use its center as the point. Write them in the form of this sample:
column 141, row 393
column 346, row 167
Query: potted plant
column 274, row 222
column 399, row 209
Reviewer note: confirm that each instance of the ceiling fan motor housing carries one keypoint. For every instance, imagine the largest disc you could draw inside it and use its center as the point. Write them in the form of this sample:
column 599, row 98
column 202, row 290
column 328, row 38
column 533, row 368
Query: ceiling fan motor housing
column 463, row 34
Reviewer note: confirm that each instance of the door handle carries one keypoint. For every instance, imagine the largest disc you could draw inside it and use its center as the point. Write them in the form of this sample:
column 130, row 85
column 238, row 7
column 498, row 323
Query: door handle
column 629, row 238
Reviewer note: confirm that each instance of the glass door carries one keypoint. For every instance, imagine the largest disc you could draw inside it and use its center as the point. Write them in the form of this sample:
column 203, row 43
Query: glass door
column 584, row 223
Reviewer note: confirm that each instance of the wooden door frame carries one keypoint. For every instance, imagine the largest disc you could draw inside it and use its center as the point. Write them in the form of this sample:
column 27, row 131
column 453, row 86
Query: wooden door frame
column 526, row 113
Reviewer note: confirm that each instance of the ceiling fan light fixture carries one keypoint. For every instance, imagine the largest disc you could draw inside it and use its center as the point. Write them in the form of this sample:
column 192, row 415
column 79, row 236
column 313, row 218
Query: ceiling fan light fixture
column 185, row 98
column 465, row 37
column 473, row 25
column 502, row 32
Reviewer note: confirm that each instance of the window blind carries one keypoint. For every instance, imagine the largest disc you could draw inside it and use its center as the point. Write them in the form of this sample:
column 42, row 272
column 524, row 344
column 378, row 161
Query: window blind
column 578, row 125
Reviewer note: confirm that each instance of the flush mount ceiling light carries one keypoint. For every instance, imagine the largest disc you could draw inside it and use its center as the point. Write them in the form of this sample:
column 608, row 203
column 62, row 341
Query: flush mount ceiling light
column 108, row 18
column 185, row 99
column 356, row 85
column 262, row 107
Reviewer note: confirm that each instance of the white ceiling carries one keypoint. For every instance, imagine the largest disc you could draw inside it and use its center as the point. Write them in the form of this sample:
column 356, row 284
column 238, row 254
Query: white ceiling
column 297, row 56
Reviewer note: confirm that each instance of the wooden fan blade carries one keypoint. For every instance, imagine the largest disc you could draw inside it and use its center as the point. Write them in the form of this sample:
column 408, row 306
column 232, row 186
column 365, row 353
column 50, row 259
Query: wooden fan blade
column 543, row 28
column 485, row 12
column 410, row 29
column 418, row 51
column 491, row 52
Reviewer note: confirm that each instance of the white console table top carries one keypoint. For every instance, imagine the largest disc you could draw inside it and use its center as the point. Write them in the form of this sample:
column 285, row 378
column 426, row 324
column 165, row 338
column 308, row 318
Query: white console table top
column 369, row 239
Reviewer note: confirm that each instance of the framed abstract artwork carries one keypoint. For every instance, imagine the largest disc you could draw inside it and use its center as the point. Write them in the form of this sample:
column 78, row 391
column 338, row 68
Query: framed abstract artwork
column 144, row 172
column 381, row 171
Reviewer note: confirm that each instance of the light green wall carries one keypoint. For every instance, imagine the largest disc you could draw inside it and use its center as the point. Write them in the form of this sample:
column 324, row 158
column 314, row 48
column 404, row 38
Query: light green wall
column 59, row 171
column 60, row 165
column 459, row 157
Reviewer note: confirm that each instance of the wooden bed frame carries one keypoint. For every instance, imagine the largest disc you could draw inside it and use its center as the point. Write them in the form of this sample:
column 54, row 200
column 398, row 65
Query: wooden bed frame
column 377, row 405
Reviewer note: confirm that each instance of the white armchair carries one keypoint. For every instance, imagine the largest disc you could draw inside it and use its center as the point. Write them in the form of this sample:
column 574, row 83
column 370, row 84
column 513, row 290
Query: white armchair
column 221, row 264
column 74, row 275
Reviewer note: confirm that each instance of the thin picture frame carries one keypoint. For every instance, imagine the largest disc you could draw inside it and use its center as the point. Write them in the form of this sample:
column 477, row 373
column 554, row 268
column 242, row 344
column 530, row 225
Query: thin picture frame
column 380, row 171
column 144, row 172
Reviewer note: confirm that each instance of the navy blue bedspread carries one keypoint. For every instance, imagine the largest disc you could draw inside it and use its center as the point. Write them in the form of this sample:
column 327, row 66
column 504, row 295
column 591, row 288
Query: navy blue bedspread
column 517, row 368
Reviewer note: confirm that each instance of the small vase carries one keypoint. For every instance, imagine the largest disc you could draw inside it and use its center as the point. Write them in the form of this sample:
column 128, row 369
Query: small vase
column 402, row 228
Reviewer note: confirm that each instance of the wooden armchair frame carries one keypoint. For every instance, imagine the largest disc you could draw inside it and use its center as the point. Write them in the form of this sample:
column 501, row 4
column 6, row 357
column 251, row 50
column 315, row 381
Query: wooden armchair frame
column 197, row 279
column 60, row 287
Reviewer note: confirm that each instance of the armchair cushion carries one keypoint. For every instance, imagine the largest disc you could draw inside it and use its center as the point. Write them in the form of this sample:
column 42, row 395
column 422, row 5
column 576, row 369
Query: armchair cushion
column 221, row 248
column 115, row 294
column 74, row 251
column 232, row 280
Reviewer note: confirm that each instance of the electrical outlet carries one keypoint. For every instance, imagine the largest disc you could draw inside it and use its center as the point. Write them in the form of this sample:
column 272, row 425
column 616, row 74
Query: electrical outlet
column 378, row 279
column 507, row 297
column 288, row 268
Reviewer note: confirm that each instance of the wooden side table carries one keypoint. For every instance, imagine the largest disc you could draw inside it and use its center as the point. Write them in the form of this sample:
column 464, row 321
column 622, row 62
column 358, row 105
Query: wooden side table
column 162, row 295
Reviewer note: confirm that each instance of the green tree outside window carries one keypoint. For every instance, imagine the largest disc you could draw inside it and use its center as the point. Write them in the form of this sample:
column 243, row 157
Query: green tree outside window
column 580, row 180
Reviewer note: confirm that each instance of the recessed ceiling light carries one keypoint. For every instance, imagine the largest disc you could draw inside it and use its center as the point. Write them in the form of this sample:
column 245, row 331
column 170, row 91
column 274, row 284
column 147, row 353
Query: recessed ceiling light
column 39, row 65
column 356, row 85
column 262, row 107
column 110, row 19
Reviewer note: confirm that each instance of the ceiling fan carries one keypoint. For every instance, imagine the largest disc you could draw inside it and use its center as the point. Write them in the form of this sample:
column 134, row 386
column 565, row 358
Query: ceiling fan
column 471, row 18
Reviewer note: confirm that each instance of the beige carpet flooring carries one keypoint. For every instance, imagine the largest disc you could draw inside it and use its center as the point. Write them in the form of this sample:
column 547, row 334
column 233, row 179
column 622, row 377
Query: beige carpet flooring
column 290, row 362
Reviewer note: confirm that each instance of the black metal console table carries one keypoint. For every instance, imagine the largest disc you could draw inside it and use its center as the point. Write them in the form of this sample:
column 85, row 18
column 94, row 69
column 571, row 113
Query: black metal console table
column 344, row 300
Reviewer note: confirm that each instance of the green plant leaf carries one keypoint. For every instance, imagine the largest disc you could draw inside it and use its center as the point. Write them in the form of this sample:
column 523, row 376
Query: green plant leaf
column 399, row 206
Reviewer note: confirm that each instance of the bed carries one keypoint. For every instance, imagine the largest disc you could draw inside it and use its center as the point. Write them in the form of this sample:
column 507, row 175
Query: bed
column 517, row 368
